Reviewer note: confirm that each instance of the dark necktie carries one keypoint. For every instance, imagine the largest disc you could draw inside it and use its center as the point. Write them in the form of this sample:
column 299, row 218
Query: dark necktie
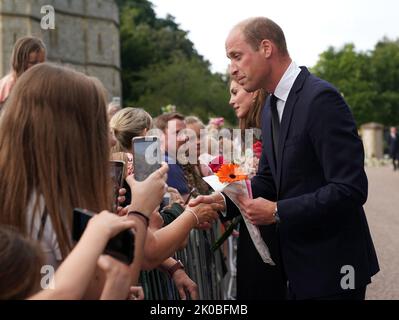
column 275, row 123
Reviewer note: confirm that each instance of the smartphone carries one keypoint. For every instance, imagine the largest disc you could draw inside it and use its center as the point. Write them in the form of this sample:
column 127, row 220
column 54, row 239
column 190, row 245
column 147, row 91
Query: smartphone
column 147, row 156
column 121, row 247
column 117, row 170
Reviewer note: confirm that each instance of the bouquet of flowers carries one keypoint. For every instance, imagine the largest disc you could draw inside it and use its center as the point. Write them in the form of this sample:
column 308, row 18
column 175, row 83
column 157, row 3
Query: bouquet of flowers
column 232, row 180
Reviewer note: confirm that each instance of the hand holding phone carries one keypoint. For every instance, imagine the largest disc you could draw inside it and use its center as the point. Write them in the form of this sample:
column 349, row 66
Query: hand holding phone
column 117, row 230
column 147, row 195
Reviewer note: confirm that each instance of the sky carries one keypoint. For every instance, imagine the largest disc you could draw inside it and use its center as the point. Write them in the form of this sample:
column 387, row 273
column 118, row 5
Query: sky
column 310, row 26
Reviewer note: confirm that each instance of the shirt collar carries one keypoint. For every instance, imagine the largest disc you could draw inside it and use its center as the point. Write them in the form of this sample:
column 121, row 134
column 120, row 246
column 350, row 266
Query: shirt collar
column 287, row 81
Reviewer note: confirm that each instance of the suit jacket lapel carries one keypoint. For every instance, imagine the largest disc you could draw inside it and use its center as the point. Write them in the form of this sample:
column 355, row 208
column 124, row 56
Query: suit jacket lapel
column 286, row 121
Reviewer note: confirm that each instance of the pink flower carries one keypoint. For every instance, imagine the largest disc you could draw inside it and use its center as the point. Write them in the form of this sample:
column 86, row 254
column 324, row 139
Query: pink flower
column 257, row 147
column 218, row 122
column 216, row 164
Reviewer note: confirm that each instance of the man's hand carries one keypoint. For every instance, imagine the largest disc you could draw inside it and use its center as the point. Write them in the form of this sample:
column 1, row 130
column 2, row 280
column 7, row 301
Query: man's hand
column 211, row 199
column 258, row 211
column 185, row 284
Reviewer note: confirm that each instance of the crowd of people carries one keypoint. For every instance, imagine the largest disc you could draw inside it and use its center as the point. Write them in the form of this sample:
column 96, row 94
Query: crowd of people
column 58, row 136
column 57, row 139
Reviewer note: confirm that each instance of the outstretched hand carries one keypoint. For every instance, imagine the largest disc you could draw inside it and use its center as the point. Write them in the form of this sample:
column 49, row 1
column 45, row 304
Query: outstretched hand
column 211, row 199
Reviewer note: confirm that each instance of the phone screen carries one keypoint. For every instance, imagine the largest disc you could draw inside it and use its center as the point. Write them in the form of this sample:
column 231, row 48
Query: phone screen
column 121, row 247
column 146, row 156
column 117, row 170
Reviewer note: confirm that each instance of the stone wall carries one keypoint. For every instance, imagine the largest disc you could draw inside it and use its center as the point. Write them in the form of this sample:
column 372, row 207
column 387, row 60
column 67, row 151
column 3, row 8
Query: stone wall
column 86, row 35
column 373, row 140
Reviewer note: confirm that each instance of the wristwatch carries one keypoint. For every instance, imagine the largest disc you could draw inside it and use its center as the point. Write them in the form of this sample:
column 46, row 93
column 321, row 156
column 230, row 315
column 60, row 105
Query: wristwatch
column 276, row 215
column 177, row 266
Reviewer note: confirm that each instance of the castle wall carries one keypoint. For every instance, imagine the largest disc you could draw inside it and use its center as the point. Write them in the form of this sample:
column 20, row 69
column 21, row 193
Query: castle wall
column 86, row 35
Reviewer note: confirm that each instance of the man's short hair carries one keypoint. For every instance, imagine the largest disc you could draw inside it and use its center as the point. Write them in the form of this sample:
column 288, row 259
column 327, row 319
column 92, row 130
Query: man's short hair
column 255, row 30
column 161, row 122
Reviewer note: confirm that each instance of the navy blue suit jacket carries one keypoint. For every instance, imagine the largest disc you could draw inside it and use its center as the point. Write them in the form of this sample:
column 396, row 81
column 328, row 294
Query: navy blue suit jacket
column 393, row 146
column 319, row 182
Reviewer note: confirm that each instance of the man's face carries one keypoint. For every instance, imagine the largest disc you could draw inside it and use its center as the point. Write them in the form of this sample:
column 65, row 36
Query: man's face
column 248, row 67
column 175, row 135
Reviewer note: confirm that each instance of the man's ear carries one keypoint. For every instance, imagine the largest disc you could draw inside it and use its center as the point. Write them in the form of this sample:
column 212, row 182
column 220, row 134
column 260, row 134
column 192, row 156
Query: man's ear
column 266, row 48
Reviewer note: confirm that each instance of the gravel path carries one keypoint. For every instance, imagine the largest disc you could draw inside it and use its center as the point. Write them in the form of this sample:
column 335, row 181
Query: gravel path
column 382, row 211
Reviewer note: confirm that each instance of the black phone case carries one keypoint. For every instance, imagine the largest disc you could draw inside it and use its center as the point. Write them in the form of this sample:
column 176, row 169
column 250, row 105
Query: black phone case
column 120, row 247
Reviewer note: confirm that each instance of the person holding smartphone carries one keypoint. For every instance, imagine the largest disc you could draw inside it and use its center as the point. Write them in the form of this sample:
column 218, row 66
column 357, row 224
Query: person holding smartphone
column 131, row 123
column 39, row 191
column 73, row 276
column 173, row 128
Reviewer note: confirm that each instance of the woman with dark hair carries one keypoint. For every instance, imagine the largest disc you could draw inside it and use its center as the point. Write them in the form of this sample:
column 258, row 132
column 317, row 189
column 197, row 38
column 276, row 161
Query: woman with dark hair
column 27, row 52
column 248, row 108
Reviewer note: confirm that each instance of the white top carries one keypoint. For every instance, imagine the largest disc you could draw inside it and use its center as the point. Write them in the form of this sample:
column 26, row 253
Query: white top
column 49, row 242
column 284, row 87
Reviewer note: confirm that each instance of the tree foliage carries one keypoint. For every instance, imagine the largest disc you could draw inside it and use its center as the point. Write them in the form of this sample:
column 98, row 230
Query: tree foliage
column 160, row 66
column 369, row 80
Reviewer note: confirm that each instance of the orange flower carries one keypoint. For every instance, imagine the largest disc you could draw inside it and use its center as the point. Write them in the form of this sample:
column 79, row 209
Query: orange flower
column 231, row 173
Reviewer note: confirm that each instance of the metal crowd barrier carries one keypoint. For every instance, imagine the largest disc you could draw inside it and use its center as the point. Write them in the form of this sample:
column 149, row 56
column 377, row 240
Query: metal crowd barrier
column 206, row 268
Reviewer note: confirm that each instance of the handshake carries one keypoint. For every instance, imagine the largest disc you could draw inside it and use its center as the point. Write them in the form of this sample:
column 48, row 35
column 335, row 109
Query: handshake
column 148, row 195
column 214, row 203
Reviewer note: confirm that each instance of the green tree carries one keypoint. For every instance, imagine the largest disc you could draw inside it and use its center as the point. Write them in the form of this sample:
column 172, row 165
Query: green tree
column 349, row 71
column 385, row 71
column 160, row 66
column 369, row 81
column 186, row 83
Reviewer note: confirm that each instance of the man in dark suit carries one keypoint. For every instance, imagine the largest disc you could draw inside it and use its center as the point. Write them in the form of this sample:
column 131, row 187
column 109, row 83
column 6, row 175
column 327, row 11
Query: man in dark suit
column 393, row 142
column 311, row 182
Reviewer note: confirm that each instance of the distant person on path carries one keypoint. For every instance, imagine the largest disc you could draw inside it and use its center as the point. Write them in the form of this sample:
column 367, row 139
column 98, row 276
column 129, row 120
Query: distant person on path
column 393, row 142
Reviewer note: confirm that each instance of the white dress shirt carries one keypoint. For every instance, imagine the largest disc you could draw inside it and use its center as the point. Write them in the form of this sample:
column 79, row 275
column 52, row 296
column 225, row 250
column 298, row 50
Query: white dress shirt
column 284, row 87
